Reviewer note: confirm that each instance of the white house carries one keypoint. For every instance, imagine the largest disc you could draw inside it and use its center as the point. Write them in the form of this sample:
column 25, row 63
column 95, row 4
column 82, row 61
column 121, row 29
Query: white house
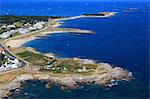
column 2, row 51
column 23, row 30
column 32, row 28
column 11, row 26
column 2, row 67
column 13, row 66
column 7, row 34
column 3, row 26
column 39, row 25
column 16, row 61
column 27, row 24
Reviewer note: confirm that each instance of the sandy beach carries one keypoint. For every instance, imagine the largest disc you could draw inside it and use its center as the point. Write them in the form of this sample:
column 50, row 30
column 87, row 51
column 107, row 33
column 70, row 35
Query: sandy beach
column 105, row 74
column 109, row 14
column 20, row 40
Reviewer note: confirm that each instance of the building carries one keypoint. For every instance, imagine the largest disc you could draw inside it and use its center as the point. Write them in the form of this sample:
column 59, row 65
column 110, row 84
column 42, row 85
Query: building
column 3, row 26
column 39, row 25
column 49, row 65
column 2, row 51
column 23, row 30
column 11, row 26
column 32, row 28
column 27, row 24
column 7, row 34
column 82, row 70
column 8, row 66
column 7, row 62
column 12, row 63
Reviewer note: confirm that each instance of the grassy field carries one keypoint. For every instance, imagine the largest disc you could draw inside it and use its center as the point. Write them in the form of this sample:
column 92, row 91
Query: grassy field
column 28, row 54
column 70, row 66
column 34, row 59
column 59, row 65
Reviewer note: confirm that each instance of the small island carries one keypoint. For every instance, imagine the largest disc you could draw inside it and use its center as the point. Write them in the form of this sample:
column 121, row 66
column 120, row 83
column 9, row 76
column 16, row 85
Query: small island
column 68, row 72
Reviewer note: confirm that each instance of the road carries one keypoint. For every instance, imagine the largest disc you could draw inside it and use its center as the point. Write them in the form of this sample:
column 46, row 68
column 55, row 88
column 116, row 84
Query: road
column 22, row 64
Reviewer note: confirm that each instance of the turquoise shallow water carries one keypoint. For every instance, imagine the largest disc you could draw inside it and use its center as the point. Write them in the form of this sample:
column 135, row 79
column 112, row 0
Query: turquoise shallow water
column 121, row 40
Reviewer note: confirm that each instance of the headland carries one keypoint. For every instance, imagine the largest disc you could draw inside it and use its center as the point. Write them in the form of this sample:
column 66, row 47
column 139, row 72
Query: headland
column 68, row 72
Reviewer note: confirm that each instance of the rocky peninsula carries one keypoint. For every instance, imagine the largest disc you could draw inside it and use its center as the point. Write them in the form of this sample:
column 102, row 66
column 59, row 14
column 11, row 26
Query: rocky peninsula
column 104, row 75
column 68, row 72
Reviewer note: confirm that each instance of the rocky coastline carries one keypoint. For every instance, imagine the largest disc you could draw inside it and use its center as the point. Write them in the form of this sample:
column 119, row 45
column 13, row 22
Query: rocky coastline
column 105, row 75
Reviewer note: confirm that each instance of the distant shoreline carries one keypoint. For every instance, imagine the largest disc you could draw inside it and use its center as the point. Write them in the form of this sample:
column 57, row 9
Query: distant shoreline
column 106, row 14
column 20, row 40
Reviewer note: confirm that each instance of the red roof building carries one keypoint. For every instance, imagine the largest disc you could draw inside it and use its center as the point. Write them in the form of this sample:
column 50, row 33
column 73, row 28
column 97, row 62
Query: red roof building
column 1, row 50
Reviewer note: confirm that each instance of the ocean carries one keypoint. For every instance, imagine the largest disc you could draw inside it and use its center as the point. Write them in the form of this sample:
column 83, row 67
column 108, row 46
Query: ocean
column 121, row 40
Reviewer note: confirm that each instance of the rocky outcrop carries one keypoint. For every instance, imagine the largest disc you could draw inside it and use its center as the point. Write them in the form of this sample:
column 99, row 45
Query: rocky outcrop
column 16, row 83
column 104, row 75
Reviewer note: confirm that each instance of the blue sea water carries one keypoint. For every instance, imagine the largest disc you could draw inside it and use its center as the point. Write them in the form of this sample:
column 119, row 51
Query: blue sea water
column 63, row 7
column 121, row 40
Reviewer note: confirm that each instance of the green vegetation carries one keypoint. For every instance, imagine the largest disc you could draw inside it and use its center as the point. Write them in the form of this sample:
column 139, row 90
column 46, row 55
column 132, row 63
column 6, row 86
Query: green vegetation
column 4, row 29
column 69, row 66
column 56, row 17
column 1, row 62
column 54, row 65
column 2, row 58
column 15, row 34
column 23, row 19
column 94, row 14
column 90, row 66
column 34, row 59
column 18, row 24
column 12, row 19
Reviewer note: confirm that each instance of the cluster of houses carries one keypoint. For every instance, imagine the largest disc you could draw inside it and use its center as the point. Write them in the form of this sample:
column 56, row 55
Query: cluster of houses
column 50, row 66
column 23, row 30
column 7, row 62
